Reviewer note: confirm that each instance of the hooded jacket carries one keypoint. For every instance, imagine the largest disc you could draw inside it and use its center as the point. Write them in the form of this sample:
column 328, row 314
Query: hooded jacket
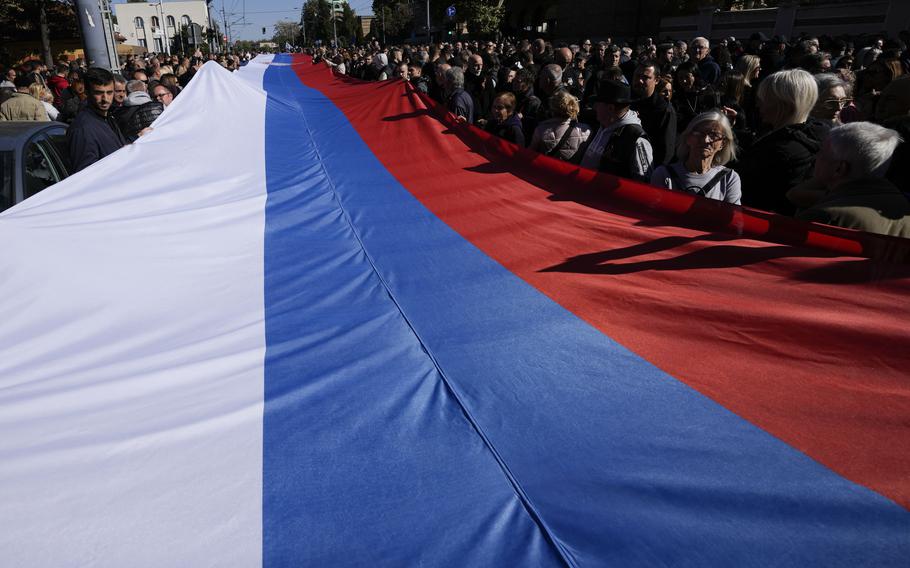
column 633, row 162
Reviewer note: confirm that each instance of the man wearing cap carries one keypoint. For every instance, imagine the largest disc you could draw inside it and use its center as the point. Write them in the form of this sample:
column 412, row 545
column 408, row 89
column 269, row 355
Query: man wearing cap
column 621, row 146
column 21, row 105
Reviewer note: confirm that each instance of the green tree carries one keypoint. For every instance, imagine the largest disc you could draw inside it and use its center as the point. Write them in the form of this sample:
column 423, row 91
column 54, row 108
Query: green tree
column 317, row 20
column 286, row 31
column 38, row 20
column 350, row 27
column 395, row 16
column 482, row 16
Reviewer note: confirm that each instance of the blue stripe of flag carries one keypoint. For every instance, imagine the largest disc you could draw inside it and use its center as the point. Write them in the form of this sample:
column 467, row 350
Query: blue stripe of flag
column 426, row 406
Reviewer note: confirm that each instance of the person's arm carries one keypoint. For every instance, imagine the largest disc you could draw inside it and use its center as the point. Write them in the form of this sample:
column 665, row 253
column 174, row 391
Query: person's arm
column 518, row 135
column 734, row 191
column 661, row 178
column 642, row 160
column 40, row 114
column 667, row 136
column 536, row 140
column 83, row 152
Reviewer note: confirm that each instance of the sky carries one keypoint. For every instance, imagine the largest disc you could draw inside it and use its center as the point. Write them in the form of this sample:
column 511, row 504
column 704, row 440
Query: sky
column 263, row 14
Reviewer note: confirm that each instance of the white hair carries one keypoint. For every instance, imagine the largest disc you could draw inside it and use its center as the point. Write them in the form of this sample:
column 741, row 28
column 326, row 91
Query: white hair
column 866, row 146
column 703, row 40
column 455, row 75
column 787, row 97
column 725, row 154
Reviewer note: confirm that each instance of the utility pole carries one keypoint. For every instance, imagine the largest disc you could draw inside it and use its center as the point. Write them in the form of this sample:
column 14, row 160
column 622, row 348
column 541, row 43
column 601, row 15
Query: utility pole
column 383, row 26
column 334, row 28
column 303, row 22
column 429, row 36
column 227, row 30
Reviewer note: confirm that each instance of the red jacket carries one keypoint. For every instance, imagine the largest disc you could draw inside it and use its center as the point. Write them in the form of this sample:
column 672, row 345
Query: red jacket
column 57, row 84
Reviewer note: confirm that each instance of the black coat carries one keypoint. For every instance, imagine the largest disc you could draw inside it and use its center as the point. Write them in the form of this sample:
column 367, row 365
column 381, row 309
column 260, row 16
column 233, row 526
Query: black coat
column 690, row 104
column 509, row 130
column 92, row 137
column 133, row 119
column 658, row 118
column 779, row 161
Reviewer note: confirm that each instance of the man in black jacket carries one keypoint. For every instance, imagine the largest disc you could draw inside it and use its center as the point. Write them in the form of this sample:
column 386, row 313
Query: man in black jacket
column 658, row 118
column 94, row 133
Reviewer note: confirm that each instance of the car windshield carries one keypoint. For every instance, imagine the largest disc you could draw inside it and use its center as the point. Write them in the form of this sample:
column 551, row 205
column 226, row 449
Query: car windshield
column 6, row 180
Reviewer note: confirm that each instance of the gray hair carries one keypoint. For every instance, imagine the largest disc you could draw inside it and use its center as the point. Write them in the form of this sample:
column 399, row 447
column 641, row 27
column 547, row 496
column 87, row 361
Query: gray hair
column 703, row 40
column 866, row 146
column 455, row 75
column 135, row 86
column 827, row 82
column 119, row 79
column 725, row 154
column 552, row 73
column 787, row 97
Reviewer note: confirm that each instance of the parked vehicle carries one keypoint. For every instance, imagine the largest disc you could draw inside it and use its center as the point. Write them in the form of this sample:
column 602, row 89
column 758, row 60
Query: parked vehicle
column 33, row 157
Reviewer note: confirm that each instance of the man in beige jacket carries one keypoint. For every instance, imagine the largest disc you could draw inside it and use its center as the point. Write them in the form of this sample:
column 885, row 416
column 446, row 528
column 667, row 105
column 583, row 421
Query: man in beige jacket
column 22, row 106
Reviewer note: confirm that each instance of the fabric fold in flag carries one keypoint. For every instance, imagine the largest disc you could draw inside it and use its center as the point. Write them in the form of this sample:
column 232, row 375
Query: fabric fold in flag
column 349, row 331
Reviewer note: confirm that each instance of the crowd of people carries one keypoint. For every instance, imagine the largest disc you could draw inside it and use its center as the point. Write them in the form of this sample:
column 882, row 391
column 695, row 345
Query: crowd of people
column 105, row 110
column 813, row 127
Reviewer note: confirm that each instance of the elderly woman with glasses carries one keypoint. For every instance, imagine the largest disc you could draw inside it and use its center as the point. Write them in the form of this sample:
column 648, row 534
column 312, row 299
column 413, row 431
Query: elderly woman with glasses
column 832, row 98
column 703, row 151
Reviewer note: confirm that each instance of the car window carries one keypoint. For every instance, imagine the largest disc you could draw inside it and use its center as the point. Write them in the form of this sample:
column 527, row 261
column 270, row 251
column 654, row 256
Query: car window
column 38, row 169
column 6, row 180
column 57, row 138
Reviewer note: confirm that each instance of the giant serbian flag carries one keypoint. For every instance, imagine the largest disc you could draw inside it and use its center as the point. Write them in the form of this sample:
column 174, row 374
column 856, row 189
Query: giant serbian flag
column 309, row 321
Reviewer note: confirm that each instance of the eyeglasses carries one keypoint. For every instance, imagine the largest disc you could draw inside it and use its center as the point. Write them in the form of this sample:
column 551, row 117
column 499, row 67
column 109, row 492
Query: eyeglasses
column 162, row 95
column 837, row 103
column 711, row 136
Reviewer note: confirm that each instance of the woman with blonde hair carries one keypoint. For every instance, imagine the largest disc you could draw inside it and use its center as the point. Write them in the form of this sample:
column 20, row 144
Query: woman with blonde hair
column 783, row 157
column 46, row 98
column 562, row 137
column 750, row 66
column 704, row 149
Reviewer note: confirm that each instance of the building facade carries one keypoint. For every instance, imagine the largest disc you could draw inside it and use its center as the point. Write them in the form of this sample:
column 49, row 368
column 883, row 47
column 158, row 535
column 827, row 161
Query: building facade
column 886, row 17
column 154, row 25
column 572, row 20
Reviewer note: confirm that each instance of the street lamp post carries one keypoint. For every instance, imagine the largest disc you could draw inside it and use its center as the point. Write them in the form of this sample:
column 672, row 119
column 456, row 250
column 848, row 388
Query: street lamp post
column 167, row 41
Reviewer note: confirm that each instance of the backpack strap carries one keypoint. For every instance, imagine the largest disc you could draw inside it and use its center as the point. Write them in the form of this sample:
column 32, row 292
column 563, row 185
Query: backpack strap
column 562, row 141
column 722, row 175
column 674, row 178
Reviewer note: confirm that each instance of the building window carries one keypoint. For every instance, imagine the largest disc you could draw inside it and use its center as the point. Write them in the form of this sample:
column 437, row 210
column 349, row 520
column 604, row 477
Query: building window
column 171, row 23
column 140, row 24
column 155, row 22
column 143, row 43
column 159, row 45
column 185, row 21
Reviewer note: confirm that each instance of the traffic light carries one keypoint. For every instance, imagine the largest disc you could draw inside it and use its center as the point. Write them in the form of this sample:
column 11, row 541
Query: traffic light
column 263, row 31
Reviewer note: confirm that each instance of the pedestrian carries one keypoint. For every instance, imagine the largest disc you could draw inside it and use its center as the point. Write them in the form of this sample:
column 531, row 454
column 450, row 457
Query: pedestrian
column 94, row 133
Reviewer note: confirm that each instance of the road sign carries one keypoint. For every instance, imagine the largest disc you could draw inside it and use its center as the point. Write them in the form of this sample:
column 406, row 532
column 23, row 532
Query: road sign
column 450, row 11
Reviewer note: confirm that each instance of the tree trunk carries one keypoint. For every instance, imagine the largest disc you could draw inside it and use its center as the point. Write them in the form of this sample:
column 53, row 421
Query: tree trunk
column 45, row 34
